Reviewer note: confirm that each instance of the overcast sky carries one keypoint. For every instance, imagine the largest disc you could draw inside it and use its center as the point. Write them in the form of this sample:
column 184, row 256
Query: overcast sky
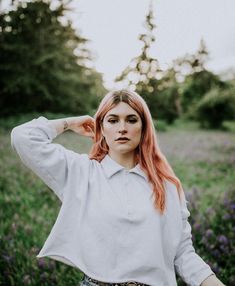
column 113, row 27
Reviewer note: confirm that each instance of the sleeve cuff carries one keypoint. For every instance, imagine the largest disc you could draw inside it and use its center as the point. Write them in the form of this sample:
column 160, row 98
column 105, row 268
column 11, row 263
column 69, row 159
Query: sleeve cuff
column 51, row 130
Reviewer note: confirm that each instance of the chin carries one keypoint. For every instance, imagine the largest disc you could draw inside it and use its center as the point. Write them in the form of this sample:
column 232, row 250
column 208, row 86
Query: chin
column 123, row 151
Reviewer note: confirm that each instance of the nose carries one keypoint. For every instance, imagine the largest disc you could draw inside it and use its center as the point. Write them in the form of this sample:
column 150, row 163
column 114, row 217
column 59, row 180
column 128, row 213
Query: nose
column 122, row 128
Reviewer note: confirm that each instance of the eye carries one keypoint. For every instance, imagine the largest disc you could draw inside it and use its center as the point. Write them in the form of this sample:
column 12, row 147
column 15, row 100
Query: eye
column 112, row 121
column 132, row 121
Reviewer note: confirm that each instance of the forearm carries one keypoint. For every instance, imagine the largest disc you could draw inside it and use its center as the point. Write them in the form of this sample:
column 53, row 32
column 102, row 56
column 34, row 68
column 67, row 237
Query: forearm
column 212, row 280
column 62, row 124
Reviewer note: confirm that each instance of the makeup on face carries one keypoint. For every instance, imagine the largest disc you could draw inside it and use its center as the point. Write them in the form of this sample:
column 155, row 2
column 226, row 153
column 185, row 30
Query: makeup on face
column 122, row 127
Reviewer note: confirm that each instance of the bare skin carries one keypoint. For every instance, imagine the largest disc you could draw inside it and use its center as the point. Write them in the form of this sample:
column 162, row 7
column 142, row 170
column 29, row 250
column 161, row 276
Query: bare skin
column 122, row 121
column 212, row 281
column 83, row 125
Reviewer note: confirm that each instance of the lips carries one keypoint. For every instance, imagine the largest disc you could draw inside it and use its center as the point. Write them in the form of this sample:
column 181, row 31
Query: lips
column 122, row 139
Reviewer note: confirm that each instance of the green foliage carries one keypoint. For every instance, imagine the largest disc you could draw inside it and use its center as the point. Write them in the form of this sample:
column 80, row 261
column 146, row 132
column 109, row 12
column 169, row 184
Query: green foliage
column 228, row 125
column 215, row 107
column 195, row 87
column 43, row 63
column 161, row 102
column 160, row 125
column 213, row 233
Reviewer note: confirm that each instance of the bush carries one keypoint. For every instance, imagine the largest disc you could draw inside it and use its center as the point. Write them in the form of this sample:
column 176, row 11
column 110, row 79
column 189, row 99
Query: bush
column 160, row 125
column 213, row 233
column 195, row 87
column 215, row 107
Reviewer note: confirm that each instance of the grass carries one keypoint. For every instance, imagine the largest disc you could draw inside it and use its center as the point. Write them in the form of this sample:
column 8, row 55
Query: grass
column 28, row 209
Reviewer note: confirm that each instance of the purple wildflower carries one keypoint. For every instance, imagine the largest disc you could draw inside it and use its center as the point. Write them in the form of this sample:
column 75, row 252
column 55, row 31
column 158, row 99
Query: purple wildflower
column 209, row 233
column 232, row 206
column 197, row 226
column 226, row 216
column 42, row 263
column 222, row 239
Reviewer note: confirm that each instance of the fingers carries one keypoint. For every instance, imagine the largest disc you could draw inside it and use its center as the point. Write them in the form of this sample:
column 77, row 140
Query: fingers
column 88, row 126
column 89, row 121
column 85, row 126
column 89, row 130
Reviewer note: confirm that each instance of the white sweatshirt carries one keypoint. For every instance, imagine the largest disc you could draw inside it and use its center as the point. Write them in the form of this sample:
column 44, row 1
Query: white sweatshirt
column 107, row 226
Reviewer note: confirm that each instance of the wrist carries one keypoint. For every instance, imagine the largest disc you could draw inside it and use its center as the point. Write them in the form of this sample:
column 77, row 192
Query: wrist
column 65, row 125
column 69, row 123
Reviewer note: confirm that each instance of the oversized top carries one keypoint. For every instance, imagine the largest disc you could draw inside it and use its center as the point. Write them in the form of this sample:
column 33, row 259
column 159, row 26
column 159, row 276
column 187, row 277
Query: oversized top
column 107, row 225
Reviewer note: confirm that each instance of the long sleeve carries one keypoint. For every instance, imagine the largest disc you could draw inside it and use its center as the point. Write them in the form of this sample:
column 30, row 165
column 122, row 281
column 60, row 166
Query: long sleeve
column 188, row 264
column 50, row 161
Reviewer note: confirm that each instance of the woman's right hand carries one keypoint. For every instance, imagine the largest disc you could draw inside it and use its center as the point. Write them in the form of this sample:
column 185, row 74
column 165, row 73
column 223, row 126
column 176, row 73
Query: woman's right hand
column 83, row 125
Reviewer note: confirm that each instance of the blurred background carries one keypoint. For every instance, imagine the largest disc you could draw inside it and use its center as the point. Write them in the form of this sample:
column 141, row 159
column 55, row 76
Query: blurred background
column 59, row 58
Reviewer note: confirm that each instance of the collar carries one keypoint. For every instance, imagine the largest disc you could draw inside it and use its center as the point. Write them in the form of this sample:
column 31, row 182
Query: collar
column 111, row 167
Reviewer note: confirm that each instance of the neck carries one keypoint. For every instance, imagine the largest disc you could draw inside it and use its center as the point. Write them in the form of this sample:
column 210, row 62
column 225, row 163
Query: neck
column 127, row 160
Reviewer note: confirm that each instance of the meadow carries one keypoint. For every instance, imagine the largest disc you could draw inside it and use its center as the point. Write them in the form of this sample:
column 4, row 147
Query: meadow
column 203, row 160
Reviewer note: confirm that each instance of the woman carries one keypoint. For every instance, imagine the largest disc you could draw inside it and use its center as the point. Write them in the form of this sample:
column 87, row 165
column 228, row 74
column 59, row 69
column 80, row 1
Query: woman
column 124, row 218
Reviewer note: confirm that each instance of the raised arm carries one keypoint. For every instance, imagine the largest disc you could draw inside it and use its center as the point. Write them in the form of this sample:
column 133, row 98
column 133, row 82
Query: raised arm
column 83, row 125
column 50, row 161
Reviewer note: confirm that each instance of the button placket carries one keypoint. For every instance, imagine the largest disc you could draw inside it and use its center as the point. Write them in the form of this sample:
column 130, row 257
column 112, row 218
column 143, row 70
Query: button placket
column 126, row 184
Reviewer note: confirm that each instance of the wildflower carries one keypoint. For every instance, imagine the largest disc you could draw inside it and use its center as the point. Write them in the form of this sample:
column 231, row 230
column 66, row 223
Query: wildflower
column 209, row 233
column 233, row 206
column 26, row 279
column 197, row 226
column 226, row 216
column 222, row 239
column 42, row 263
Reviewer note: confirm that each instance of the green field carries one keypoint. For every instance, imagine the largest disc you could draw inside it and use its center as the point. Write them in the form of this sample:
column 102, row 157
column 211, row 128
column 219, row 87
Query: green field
column 204, row 160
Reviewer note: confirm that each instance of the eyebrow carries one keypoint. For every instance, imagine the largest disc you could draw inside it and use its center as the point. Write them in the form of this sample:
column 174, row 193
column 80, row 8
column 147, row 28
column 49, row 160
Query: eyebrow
column 115, row 115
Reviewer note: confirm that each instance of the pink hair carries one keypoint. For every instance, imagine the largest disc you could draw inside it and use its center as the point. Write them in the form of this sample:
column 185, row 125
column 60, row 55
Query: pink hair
column 147, row 154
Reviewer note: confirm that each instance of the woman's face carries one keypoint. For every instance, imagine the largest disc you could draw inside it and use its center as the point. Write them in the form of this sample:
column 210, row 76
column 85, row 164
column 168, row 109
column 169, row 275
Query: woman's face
column 122, row 128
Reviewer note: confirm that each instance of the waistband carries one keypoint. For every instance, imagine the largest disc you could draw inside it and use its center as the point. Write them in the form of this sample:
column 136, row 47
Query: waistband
column 99, row 283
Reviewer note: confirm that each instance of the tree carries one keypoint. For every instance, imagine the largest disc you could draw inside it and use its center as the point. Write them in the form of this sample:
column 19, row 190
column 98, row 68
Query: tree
column 215, row 107
column 196, row 80
column 142, row 68
column 191, row 63
column 140, row 75
column 195, row 87
column 42, row 62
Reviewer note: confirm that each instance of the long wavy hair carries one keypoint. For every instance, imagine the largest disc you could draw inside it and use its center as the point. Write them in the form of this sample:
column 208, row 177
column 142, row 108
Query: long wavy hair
column 147, row 153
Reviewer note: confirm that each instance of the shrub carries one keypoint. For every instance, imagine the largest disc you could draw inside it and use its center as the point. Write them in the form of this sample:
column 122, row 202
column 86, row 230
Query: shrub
column 160, row 125
column 195, row 87
column 215, row 107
